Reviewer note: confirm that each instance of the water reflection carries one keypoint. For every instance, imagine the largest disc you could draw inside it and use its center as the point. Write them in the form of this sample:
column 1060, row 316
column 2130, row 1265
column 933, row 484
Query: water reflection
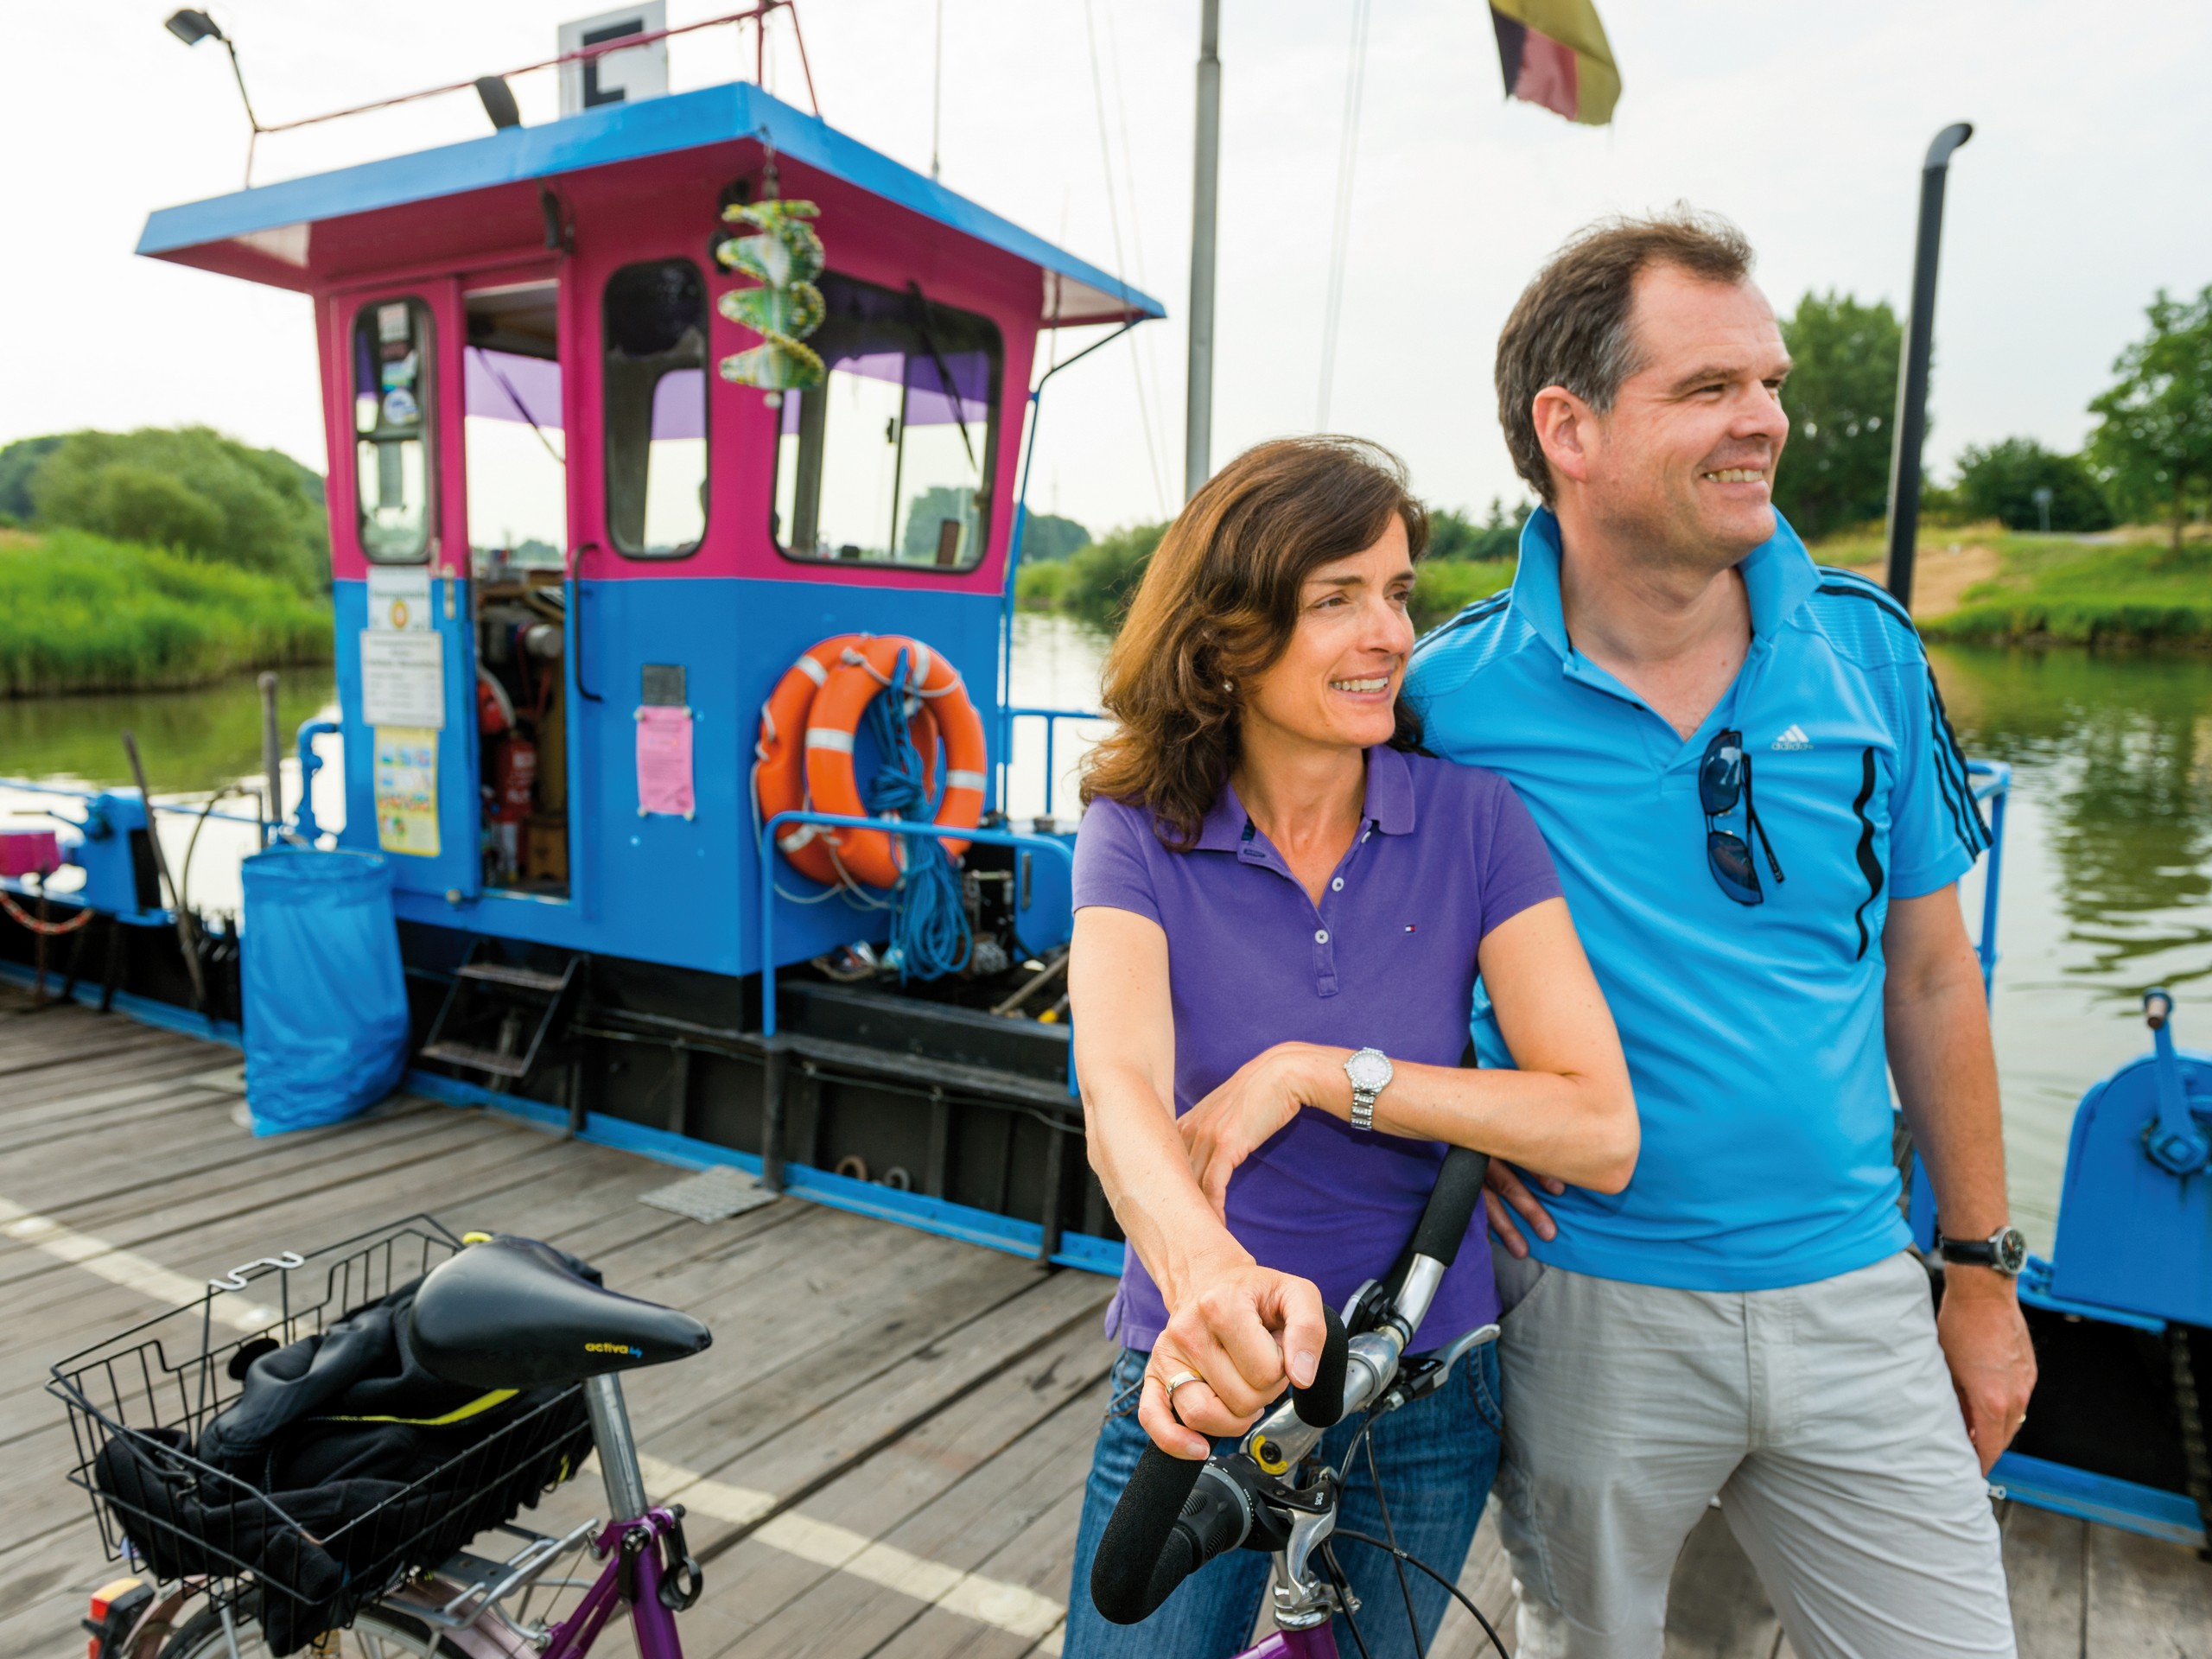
column 190, row 740
column 2108, row 884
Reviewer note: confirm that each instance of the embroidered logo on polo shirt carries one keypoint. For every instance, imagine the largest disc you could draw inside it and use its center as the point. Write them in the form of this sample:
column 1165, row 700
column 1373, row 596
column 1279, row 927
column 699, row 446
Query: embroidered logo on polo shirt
column 1794, row 738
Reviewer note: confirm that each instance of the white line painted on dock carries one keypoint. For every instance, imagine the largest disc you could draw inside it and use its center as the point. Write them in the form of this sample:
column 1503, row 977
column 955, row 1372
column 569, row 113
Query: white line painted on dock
column 1011, row 1607
column 1014, row 1608
column 121, row 1266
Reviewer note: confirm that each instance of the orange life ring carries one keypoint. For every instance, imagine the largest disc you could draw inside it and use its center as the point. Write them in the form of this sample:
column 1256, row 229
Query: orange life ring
column 864, row 670
column 779, row 754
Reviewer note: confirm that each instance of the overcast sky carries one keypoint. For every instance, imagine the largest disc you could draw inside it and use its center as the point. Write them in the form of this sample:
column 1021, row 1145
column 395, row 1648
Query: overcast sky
column 2083, row 191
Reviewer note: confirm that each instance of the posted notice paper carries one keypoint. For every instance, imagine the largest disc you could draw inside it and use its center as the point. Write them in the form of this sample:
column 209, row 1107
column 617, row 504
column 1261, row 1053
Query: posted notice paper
column 406, row 785
column 403, row 679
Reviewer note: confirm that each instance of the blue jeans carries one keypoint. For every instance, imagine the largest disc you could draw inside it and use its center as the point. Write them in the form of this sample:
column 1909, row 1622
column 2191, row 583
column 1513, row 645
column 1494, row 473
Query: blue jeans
column 1436, row 1458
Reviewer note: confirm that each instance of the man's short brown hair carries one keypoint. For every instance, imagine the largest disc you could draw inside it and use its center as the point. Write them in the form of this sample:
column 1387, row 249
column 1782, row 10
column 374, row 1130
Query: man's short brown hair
column 1571, row 329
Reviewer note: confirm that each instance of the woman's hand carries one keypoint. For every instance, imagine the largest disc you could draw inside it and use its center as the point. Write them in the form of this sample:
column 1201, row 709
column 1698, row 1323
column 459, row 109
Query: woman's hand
column 1266, row 1092
column 1243, row 1331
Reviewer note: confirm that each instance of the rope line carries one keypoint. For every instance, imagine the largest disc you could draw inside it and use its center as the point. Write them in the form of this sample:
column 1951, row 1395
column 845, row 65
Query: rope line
column 45, row 929
column 929, row 936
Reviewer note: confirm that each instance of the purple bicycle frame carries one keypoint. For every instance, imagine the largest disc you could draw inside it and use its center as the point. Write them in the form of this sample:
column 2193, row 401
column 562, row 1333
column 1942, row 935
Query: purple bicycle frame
column 653, row 1624
column 1319, row 1642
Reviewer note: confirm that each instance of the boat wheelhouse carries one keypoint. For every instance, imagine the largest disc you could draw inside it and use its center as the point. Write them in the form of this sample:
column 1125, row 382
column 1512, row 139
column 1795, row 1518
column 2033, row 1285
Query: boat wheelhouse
column 571, row 562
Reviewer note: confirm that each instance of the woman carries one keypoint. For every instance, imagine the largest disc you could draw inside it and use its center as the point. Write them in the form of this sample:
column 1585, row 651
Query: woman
column 1271, row 878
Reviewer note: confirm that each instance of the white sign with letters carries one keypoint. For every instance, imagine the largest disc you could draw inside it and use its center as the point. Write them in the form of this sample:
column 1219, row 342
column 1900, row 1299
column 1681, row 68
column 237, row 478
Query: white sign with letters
column 402, row 678
column 399, row 600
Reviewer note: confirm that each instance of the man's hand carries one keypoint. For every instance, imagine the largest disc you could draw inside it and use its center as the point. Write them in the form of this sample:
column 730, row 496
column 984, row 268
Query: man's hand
column 1245, row 1330
column 1993, row 1363
column 1506, row 1193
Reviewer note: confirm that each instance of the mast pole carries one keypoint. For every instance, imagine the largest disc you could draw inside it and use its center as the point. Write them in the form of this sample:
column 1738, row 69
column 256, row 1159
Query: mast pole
column 1198, row 414
column 1910, row 429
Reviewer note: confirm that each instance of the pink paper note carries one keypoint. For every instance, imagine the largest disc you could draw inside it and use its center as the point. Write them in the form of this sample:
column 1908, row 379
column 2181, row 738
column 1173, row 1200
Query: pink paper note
column 664, row 761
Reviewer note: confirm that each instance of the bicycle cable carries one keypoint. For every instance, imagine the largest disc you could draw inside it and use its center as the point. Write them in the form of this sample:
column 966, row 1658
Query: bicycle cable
column 1336, row 1572
column 1390, row 1532
column 1457, row 1594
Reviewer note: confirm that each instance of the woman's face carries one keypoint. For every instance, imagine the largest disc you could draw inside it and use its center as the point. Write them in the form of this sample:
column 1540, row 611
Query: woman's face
column 1337, row 684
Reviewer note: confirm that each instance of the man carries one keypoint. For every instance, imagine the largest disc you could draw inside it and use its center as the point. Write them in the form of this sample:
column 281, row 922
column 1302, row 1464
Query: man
column 1759, row 814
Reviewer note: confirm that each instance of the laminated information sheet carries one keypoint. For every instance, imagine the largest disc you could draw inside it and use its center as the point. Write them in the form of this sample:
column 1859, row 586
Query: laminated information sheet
column 402, row 678
column 405, row 768
column 664, row 761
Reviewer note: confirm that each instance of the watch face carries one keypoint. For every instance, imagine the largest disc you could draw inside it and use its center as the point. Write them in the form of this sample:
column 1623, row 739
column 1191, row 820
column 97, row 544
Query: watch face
column 1367, row 1069
column 2012, row 1249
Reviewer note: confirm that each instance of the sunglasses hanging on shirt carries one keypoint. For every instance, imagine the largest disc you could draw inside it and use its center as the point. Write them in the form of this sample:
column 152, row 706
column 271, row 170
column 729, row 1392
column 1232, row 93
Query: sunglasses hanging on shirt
column 1724, row 783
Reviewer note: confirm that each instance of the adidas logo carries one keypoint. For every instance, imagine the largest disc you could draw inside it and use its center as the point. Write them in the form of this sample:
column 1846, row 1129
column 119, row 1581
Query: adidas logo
column 1794, row 738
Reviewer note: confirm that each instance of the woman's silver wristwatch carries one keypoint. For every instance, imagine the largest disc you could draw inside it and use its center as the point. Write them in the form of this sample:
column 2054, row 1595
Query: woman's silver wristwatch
column 1370, row 1074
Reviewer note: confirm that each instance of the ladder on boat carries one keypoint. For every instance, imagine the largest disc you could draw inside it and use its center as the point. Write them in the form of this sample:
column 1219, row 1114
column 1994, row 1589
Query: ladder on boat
column 497, row 1016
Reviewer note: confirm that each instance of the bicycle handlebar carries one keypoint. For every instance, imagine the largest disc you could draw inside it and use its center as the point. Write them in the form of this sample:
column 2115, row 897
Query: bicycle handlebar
column 1177, row 1513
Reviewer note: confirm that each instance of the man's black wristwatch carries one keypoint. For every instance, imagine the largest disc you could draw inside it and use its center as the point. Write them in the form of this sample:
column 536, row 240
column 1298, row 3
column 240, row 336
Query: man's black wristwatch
column 2005, row 1249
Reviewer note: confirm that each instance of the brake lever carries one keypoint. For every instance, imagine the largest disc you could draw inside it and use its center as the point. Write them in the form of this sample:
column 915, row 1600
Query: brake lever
column 1423, row 1374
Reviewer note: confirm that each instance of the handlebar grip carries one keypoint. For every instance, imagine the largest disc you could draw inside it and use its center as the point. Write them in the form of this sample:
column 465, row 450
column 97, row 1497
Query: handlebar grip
column 1452, row 1203
column 1321, row 1402
column 1144, row 1554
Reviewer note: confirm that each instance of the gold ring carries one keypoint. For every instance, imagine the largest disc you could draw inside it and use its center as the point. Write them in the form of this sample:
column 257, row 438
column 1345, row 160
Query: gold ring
column 1178, row 1381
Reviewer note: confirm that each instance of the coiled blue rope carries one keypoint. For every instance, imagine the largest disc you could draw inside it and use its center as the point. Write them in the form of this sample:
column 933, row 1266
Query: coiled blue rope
column 929, row 924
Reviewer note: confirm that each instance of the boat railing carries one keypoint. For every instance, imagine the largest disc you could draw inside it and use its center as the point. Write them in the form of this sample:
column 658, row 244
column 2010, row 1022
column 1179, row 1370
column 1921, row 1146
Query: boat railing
column 1991, row 781
column 771, row 832
column 1052, row 718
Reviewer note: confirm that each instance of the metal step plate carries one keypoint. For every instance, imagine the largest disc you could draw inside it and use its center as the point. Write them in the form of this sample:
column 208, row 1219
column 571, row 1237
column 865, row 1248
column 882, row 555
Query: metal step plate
column 711, row 1195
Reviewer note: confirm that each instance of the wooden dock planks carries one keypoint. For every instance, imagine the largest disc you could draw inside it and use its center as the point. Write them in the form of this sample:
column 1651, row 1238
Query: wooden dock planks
column 891, row 1433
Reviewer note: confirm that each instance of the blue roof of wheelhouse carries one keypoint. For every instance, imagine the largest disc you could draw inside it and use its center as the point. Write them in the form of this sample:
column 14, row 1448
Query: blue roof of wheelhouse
column 622, row 132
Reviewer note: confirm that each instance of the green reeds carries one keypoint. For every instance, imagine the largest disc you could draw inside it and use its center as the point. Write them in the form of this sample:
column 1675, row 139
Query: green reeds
column 81, row 613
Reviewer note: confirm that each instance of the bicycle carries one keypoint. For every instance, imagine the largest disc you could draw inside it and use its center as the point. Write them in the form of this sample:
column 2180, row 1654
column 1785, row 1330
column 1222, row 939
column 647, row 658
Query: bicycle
column 505, row 1315
column 1177, row 1515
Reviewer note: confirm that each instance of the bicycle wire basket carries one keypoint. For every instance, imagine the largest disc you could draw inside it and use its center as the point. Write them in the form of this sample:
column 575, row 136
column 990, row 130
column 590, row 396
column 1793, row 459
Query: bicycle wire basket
column 304, row 1560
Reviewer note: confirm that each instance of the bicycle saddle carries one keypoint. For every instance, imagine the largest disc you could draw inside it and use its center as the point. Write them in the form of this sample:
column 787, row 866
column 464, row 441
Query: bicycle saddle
column 510, row 1314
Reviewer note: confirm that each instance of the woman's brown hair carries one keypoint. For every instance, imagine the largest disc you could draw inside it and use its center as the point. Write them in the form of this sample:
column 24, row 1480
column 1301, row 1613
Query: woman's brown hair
column 1218, row 605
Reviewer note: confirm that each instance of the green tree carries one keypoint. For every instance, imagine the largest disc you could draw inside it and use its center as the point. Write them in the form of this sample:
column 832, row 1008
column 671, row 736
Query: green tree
column 1455, row 536
column 1045, row 536
column 19, row 461
column 256, row 508
column 2154, row 442
column 2000, row 481
column 1102, row 577
column 1841, row 397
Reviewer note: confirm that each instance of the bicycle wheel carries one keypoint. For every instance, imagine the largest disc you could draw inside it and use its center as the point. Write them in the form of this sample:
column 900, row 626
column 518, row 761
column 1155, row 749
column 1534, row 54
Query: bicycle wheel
column 375, row 1634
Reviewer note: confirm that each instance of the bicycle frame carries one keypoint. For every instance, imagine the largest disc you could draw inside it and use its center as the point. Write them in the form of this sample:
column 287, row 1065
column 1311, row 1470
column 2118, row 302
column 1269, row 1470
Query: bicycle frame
column 632, row 1548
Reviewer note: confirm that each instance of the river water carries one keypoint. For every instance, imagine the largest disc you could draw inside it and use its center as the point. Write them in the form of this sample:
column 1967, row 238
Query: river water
column 2107, row 887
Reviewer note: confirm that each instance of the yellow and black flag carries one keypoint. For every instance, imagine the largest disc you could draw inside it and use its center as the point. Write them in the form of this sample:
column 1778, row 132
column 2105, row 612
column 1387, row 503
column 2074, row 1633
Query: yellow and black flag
column 1554, row 52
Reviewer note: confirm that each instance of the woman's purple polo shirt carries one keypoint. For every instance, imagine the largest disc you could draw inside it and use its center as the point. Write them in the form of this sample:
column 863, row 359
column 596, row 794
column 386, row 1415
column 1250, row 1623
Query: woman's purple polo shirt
column 1445, row 853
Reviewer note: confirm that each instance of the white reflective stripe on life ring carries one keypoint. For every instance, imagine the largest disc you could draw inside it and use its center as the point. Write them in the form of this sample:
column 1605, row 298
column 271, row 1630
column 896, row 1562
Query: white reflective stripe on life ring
column 826, row 737
column 964, row 780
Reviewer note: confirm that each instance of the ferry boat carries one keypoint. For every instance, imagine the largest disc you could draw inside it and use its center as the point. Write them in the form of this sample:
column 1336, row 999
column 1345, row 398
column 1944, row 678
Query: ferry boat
column 557, row 739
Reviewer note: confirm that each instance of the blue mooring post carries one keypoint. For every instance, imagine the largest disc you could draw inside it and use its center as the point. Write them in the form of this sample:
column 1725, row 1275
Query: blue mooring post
column 1910, row 429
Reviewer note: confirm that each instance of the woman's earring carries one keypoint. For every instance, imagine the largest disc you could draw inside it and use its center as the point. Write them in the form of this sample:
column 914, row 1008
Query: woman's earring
column 1228, row 685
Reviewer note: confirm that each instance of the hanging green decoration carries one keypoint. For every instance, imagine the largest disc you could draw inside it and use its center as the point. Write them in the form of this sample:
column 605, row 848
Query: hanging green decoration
column 784, row 256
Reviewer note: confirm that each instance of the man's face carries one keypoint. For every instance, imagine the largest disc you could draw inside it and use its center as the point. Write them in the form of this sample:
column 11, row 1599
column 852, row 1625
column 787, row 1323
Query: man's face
column 1684, row 461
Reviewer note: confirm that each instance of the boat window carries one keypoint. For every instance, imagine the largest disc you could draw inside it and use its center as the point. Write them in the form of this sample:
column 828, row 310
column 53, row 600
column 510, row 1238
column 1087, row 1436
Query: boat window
column 656, row 381
column 513, row 442
column 890, row 461
column 392, row 406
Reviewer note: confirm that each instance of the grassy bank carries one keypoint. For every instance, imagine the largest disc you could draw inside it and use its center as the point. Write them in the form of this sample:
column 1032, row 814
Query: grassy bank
column 81, row 613
column 2051, row 589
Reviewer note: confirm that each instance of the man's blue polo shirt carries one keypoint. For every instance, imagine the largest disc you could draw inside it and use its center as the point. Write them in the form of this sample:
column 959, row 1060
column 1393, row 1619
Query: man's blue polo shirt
column 1754, row 1034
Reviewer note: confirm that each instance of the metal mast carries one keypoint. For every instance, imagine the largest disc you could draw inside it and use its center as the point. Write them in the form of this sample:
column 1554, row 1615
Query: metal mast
column 1911, row 426
column 1197, row 413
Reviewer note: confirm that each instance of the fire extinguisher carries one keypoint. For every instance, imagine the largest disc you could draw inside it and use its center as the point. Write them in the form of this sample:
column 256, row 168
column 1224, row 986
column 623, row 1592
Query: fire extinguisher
column 514, row 790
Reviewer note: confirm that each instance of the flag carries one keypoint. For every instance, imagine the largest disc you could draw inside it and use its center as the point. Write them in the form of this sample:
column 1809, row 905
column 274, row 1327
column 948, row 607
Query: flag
column 1554, row 52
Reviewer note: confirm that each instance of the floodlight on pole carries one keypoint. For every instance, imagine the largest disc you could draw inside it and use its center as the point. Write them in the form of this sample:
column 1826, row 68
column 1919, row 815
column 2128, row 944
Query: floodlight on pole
column 192, row 27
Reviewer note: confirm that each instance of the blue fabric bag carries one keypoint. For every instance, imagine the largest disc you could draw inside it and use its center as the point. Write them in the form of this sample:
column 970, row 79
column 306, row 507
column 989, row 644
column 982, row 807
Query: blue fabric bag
column 326, row 1000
